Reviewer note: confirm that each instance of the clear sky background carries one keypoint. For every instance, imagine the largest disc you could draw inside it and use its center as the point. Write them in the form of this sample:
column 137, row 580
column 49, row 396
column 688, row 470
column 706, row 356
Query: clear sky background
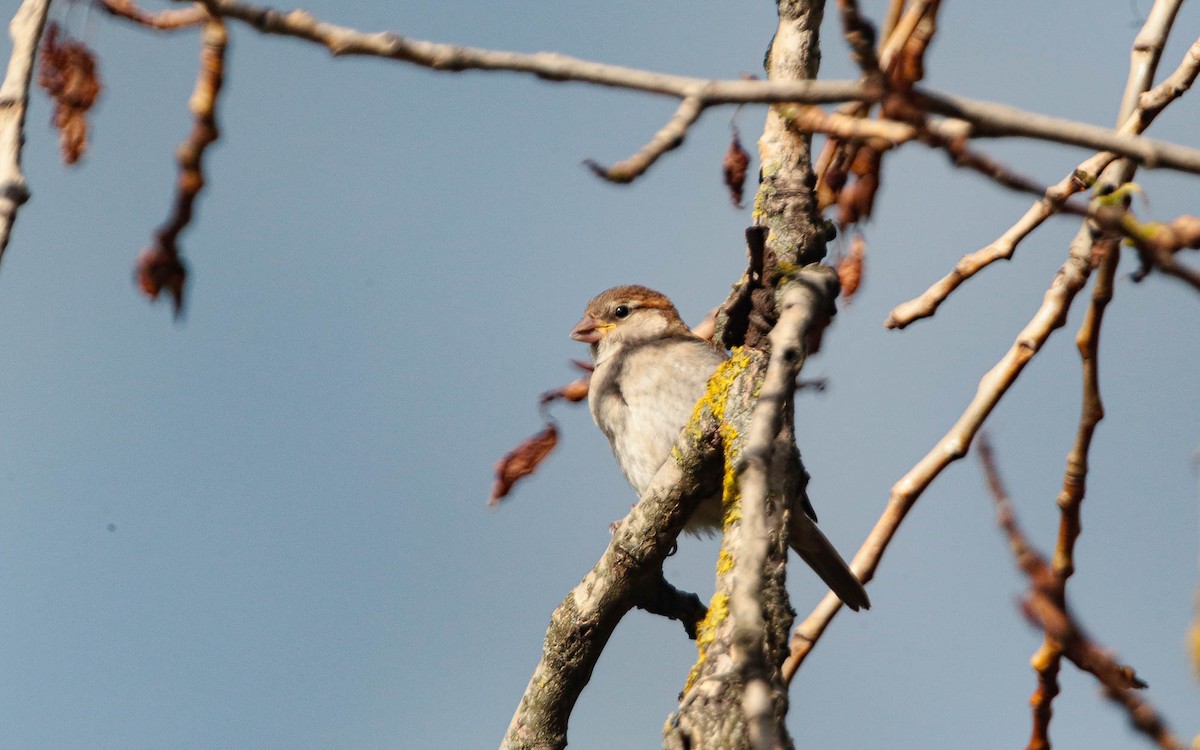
column 265, row 526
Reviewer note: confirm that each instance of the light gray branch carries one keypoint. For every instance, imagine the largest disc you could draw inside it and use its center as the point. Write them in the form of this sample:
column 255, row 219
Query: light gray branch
column 988, row 119
column 25, row 30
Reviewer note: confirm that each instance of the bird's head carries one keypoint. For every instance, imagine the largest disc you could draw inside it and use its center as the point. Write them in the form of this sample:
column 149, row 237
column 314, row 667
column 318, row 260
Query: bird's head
column 626, row 315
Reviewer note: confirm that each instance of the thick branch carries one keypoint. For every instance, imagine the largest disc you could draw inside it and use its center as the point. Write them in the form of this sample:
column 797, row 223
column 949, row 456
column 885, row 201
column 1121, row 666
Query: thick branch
column 25, row 30
column 630, row 567
column 804, row 307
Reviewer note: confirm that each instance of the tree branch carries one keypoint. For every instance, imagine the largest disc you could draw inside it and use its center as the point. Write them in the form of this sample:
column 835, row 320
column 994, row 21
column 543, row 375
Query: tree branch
column 159, row 266
column 626, row 576
column 988, row 119
column 804, row 304
column 1051, row 316
column 163, row 20
column 1147, row 108
column 1044, row 608
column 25, row 30
column 1047, row 659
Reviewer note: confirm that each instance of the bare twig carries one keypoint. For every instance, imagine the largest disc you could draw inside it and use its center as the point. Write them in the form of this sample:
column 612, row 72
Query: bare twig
column 903, row 29
column 1049, row 656
column 989, row 119
column 1044, row 608
column 163, row 20
column 1149, row 105
column 1147, row 49
column 550, row 66
column 669, row 138
column 992, row 120
column 1050, row 316
column 25, row 30
column 159, row 266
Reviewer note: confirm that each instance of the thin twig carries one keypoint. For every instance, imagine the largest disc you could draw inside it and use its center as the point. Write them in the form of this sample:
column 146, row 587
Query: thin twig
column 667, row 139
column 995, row 120
column 1049, row 656
column 904, row 28
column 1044, row 608
column 159, row 266
column 1050, row 316
column 1149, row 105
column 163, row 20
column 989, row 119
column 25, row 30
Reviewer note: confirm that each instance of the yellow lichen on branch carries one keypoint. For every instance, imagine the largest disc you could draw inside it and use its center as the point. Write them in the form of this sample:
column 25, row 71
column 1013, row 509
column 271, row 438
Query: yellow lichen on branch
column 706, row 633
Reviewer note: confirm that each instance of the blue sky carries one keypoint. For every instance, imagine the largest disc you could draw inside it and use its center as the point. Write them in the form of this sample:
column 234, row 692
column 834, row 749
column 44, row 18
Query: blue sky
column 265, row 526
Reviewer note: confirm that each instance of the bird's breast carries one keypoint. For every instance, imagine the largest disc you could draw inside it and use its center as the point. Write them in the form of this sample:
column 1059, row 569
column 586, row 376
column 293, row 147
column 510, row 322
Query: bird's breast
column 642, row 398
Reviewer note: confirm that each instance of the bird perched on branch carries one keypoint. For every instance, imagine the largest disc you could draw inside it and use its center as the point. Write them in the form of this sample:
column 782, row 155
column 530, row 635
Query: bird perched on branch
column 650, row 370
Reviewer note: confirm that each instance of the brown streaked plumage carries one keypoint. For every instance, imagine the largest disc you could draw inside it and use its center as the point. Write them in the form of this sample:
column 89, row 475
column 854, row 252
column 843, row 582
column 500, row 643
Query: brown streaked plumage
column 650, row 372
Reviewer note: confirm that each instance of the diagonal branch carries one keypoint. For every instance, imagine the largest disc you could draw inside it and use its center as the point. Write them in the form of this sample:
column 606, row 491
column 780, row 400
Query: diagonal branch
column 1047, row 659
column 1044, row 607
column 627, row 575
column 667, row 139
column 1051, row 316
column 1147, row 107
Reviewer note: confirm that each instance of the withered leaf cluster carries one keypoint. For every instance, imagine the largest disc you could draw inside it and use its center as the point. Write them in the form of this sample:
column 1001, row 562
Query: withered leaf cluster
column 69, row 76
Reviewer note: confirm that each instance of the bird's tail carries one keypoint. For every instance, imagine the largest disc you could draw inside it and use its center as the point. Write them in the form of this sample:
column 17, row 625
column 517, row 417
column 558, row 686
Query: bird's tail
column 816, row 550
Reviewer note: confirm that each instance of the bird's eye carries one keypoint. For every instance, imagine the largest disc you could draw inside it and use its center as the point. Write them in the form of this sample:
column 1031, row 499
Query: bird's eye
column 621, row 311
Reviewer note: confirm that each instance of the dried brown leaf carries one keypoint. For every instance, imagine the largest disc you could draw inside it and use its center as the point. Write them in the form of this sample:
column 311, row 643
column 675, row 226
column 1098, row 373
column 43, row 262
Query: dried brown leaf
column 522, row 461
column 733, row 167
column 857, row 199
column 850, row 268
column 69, row 76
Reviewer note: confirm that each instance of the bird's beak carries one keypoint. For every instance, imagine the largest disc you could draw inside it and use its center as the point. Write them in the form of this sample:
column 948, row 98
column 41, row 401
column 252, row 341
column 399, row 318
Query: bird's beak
column 590, row 330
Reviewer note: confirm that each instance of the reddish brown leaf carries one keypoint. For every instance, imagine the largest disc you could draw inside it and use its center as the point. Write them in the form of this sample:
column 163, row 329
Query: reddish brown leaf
column 850, row 267
column 522, row 461
column 68, row 74
column 733, row 166
column 857, row 199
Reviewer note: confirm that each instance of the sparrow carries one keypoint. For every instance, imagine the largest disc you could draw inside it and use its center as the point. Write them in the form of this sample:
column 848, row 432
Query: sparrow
column 650, row 371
